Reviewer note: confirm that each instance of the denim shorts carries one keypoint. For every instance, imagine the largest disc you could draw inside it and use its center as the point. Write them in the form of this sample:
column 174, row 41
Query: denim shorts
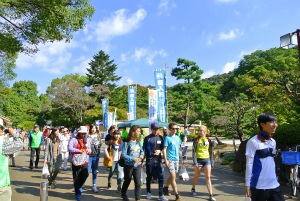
column 173, row 166
column 203, row 163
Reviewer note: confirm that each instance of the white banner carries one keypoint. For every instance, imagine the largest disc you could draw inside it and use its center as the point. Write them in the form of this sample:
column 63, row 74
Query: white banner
column 153, row 106
column 109, row 119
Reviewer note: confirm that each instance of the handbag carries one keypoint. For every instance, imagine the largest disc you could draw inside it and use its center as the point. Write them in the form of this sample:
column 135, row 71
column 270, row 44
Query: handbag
column 80, row 159
column 106, row 162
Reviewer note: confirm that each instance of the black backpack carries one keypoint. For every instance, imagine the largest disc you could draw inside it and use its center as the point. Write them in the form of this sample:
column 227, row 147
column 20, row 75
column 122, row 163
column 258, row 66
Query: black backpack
column 122, row 161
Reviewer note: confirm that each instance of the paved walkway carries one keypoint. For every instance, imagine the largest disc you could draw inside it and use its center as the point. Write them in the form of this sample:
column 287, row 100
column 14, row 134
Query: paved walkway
column 227, row 186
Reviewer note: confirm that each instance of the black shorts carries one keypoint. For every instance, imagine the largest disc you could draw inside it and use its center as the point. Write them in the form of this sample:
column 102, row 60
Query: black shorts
column 266, row 194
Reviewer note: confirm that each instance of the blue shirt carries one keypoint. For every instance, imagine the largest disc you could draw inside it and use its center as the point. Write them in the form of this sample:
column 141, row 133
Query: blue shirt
column 172, row 144
column 135, row 150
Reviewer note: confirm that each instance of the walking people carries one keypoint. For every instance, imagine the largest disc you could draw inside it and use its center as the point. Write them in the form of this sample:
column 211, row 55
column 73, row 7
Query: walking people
column 36, row 143
column 261, row 181
column 202, row 155
column 64, row 143
column 115, row 145
column 7, row 147
column 171, row 153
column 153, row 146
column 95, row 145
column 9, row 136
column 23, row 135
column 165, row 132
column 78, row 145
column 110, row 132
column 133, row 154
column 53, row 156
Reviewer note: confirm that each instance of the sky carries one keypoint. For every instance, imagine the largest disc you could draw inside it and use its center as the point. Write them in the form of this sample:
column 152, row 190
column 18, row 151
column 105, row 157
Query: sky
column 143, row 35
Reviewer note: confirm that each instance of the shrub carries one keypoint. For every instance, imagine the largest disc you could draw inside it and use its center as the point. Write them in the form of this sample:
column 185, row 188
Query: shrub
column 286, row 134
column 191, row 136
column 228, row 160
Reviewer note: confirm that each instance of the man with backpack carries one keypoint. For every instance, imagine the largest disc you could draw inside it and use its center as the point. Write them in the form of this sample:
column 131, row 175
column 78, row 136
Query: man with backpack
column 153, row 146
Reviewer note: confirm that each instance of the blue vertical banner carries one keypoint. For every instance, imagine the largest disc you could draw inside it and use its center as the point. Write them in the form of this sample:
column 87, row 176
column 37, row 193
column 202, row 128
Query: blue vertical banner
column 153, row 105
column 160, row 85
column 132, row 102
column 105, row 113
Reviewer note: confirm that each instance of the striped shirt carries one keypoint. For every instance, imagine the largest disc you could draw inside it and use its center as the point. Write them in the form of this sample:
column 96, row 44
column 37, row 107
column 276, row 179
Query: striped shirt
column 12, row 145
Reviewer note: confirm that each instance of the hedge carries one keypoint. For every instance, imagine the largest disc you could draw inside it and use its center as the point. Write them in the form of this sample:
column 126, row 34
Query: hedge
column 286, row 134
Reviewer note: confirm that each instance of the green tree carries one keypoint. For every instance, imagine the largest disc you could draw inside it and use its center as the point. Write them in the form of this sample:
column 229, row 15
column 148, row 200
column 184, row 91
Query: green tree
column 25, row 24
column 191, row 92
column 7, row 64
column 102, row 71
column 70, row 100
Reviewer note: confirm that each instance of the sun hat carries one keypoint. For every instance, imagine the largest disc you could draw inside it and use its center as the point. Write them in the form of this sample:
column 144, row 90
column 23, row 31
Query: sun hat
column 83, row 129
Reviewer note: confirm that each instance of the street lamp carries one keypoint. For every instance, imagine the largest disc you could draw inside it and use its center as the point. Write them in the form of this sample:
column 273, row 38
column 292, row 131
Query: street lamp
column 291, row 39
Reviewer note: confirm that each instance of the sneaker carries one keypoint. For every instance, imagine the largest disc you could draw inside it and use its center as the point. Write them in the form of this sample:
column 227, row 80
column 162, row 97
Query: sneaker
column 166, row 191
column 52, row 186
column 154, row 181
column 193, row 192
column 78, row 196
column 54, row 183
column 125, row 198
column 149, row 196
column 162, row 198
column 36, row 166
column 30, row 167
column 119, row 189
column 109, row 185
column 80, row 190
column 65, row 169
column 211, row 198
column 95, row 190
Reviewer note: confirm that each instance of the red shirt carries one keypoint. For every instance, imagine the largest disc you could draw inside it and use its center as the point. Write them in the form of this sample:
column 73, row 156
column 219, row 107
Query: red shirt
column 80, row 146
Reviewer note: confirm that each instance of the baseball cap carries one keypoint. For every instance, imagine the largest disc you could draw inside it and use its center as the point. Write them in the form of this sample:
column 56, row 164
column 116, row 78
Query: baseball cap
column 36, row 126
column 165, row 128
column 154, row 125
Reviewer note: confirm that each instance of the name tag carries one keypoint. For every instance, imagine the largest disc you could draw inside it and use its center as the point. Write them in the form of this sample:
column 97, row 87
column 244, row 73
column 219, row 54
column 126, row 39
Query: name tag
column 274, row 151
column 173, row 142
column 158, row 142
column 116, row 147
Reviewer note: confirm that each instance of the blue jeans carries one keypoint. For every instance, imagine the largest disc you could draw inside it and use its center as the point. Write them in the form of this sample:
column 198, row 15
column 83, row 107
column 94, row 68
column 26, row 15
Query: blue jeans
column 118, row 169
column 156, row 168
column 93, row 165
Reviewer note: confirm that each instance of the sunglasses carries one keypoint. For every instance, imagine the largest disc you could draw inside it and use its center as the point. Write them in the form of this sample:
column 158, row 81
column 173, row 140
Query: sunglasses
column 174, row 128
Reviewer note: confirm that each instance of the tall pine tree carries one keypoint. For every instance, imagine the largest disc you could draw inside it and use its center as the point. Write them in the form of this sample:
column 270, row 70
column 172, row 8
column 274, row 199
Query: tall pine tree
column 102, row 72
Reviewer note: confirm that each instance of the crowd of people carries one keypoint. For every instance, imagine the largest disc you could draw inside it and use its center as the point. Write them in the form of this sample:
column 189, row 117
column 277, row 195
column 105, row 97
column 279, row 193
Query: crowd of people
column 126, row 153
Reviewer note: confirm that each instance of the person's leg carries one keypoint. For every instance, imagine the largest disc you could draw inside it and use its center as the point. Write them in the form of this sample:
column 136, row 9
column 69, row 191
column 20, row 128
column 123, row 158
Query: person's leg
column 196, row 175
column 127, row 178
column 5, row 193
column 37, row 159
column 66, row 154
column 160, row 176
column 119, row 174
column 82, row 175
column 207, row 172
column 75, row 170
column 172, row 181
column 94, row 169
column 13, row 160
column 276, row 195
column 111, row 171
column 90, row 164
column 50, row 178
column 137, row 181
column 149, row 171
column 259, row 194
column 56, row 169
column 32, row 152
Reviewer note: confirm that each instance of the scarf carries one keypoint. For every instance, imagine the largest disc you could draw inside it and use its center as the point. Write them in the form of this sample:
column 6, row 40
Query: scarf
column 263, row 136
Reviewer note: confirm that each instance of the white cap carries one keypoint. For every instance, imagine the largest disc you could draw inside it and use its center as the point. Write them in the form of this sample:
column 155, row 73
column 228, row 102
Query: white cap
column 83, row 129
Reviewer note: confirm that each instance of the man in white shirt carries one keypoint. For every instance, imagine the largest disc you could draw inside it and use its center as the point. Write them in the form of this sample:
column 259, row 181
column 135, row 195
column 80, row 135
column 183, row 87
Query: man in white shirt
column 260, row 174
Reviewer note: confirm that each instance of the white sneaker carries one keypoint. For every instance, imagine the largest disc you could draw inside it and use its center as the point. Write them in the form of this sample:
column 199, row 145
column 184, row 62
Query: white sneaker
column 211, row 198
column 95, row 190
column 149, row 196
column 162, row 198
column 193, row 192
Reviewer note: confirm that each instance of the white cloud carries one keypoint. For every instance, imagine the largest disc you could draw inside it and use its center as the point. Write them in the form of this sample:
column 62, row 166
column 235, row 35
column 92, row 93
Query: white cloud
column 51, row 57
column 81, row 68
column 119, row 24
column 236, row 12
column 143, row 53
column 229, row 66
column 226, row 1
column 139, row 53
column 165, row 7
column 233, row 33
column 125, row 80
column 208, row 74
column 241, row 56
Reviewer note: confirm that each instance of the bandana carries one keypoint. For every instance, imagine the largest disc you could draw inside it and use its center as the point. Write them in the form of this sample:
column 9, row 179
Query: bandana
column 263, row 136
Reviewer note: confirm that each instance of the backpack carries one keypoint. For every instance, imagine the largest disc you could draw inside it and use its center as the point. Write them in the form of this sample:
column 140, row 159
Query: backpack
column 122, row 161
column 199, row 138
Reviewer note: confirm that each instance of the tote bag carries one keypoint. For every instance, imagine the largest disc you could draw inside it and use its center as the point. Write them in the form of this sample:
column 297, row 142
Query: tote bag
column 106, row 162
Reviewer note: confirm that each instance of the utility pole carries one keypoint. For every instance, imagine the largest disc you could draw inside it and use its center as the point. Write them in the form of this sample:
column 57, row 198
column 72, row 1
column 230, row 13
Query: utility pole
column 298, row 41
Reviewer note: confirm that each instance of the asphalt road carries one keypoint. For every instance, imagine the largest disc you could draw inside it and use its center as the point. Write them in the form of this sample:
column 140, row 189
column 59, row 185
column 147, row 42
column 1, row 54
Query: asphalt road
column 227, row 186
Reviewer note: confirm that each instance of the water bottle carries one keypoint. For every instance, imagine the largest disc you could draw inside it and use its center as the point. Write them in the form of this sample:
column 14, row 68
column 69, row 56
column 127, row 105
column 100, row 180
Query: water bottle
column 136, row 164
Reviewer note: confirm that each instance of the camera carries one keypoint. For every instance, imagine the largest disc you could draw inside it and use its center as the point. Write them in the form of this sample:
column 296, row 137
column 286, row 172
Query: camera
column 6, row 131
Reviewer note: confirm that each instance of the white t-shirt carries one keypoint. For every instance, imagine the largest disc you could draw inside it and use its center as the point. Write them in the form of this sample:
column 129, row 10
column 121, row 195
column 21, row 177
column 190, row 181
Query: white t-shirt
column 64, row 141
column 261, row 173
